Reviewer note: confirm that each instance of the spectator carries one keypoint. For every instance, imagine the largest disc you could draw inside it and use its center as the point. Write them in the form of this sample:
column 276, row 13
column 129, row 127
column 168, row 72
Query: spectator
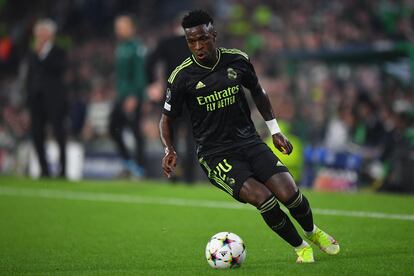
column 337, row 137
column 369, row 131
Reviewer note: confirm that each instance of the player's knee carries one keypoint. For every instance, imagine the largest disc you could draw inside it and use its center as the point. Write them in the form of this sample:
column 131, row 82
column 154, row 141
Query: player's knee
column 255, row 193
column 283, row 186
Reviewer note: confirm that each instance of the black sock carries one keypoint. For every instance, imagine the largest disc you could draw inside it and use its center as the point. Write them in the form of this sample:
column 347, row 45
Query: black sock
column 299, row 208
column 279, row 222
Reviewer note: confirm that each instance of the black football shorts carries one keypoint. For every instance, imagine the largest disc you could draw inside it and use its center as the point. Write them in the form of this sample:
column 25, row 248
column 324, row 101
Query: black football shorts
column 229, row 170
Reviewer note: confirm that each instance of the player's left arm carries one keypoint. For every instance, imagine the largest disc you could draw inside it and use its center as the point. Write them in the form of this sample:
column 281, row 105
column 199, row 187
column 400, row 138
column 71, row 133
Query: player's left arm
column 262, row 102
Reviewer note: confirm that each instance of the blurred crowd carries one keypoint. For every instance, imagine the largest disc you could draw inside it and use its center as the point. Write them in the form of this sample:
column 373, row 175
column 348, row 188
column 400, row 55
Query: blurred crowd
column 361, row 107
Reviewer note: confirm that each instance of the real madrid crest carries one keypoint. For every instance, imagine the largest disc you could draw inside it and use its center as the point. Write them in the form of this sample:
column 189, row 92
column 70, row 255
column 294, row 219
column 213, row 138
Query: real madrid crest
column 231, row 73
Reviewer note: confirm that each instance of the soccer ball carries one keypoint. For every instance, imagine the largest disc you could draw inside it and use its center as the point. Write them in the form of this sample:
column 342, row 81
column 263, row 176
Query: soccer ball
column 225, row 250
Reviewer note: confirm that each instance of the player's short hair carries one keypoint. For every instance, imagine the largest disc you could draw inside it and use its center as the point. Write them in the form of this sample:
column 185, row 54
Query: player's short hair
column 47, row 23
column 196, row 18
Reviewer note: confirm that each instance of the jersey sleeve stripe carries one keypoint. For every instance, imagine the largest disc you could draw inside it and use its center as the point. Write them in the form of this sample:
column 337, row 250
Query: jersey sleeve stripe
column 174, row 73
column 178, row 68
column 234, row 51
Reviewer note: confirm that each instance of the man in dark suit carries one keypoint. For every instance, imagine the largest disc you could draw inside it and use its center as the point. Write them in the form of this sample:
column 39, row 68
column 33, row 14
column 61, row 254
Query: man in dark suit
column 47, row 100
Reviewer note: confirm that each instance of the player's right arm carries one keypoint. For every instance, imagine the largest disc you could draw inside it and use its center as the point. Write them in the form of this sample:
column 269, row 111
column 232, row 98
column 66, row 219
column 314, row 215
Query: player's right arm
column 174, row 99
column 169, row 161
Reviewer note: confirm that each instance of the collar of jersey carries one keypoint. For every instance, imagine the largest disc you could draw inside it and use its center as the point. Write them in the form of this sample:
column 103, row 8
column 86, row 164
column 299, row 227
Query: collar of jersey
column 206, row 67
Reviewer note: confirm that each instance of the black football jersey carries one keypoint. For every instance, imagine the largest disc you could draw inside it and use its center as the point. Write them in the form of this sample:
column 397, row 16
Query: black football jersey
column 215, row 99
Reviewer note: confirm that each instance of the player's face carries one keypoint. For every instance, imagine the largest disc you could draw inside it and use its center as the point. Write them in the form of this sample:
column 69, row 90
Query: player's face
column 201, row 41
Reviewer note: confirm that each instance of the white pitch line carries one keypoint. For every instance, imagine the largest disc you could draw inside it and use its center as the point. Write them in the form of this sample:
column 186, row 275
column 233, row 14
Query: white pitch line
column 108, row 197
column 136, row 199
column 361, row 214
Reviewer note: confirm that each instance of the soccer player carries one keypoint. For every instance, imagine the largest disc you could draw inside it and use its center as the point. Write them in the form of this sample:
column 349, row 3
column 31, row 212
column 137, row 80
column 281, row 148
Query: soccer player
column 210, row 83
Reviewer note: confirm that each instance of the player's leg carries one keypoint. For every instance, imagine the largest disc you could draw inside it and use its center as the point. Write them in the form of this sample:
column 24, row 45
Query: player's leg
column 269, row 170
column 284, row 188
column 232, row 174
column 258, row 195
column 263, row 199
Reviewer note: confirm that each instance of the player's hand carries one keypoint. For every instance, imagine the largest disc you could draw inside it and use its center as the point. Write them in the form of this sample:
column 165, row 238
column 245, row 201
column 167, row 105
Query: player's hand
column 169, row 162
column 282, row 143
column 130, row 105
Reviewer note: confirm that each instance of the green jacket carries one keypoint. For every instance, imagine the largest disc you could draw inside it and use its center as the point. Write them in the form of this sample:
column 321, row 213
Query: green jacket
column 130, row 69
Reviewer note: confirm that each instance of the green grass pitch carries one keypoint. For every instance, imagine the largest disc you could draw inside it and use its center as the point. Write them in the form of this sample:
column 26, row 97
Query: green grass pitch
column 153, row 228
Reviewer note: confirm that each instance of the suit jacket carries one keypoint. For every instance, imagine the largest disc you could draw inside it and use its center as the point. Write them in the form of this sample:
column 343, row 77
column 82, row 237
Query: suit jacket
column 45, row 78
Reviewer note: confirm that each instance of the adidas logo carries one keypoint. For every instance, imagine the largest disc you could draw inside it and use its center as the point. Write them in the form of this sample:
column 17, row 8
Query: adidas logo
column 200, row 85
